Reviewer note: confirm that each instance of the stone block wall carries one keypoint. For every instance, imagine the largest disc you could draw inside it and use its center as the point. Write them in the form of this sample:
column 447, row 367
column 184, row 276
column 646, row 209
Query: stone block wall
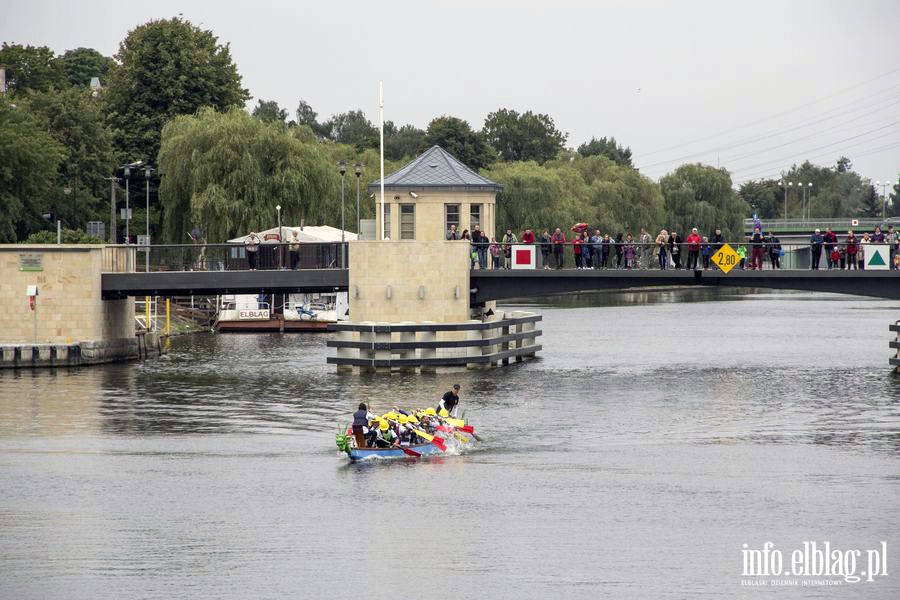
column 69, row 305
column 406, row 271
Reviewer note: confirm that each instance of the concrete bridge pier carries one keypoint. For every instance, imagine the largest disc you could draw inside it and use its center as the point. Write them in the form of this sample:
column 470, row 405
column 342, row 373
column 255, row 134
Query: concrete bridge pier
column 410, row 309
column 70, row 323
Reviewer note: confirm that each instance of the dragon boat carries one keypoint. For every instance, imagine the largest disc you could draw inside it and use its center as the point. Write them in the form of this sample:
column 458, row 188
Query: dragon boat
column 456, row 432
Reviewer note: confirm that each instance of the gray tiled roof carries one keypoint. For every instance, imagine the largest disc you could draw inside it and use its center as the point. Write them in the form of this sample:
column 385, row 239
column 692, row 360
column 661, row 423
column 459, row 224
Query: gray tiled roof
column 437, row 169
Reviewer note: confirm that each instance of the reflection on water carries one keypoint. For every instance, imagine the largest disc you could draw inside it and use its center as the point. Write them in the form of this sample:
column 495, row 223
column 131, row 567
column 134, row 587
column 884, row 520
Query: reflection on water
column 658, row 431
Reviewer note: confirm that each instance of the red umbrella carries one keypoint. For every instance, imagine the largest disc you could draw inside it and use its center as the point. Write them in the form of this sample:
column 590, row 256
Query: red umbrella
column 579, row 227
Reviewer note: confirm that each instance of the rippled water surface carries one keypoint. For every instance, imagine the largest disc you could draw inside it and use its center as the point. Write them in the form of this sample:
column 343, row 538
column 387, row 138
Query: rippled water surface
column 656, row 434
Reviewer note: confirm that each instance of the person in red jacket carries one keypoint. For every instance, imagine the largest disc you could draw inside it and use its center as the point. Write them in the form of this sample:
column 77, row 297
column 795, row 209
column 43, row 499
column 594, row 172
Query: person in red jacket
column 576, row 250
column 528, row 237
column 693, row 243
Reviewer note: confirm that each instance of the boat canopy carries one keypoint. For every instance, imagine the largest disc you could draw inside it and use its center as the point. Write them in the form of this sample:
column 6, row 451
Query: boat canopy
column 311, row 234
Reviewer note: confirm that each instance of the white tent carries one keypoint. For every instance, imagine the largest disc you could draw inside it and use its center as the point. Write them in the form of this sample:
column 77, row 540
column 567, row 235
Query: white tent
column 310, row 234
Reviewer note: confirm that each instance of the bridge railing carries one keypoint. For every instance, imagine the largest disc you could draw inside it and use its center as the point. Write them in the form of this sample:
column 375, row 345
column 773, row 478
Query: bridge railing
column 226, row 257
column 810, row 225
column 634, row 255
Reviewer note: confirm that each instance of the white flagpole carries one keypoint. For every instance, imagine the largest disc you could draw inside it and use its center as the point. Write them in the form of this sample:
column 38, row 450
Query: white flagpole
column 381, row 132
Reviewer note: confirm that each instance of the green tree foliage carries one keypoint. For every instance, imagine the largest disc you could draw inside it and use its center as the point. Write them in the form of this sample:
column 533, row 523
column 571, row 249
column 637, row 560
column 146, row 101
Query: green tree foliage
column 351, row 128
column 701, row 196
column 307, row 116
column 31, row 68
column 870, row 202
column 224, row 173
column 894, row 206
column 607, row 147
column 762, row 197
column 526, row 136
column 168, row 68
column 268, row 111
column 619, row 197
column 405, row 142
column 29, row 158
column 81, row 64
column 564, row 192
column 457, row 137
column 75, row 120
column 67, row 236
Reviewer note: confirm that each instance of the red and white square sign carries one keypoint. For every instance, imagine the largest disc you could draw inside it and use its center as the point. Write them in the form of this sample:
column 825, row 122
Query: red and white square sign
column 523, row 257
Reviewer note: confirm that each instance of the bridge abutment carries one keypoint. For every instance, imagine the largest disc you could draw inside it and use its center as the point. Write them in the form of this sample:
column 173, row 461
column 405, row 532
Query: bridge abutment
column 410, row 309
column 70, row 323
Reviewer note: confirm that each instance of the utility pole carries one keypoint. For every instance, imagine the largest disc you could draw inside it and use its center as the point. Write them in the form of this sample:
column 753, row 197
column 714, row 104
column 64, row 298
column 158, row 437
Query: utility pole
column 112, row 208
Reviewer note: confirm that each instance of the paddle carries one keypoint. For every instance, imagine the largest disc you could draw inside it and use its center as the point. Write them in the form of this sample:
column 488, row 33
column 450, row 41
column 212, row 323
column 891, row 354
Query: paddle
column 437, row 441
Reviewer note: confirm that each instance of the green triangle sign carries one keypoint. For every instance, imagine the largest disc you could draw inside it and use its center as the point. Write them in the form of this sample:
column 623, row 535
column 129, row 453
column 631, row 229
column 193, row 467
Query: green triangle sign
column 877, row 260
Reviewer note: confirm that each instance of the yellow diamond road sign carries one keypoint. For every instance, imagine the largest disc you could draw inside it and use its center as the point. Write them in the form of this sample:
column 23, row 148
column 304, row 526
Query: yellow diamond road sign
column 726, row 258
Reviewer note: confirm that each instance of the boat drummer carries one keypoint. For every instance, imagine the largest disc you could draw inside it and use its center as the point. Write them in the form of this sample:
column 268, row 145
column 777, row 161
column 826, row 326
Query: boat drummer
column 450, row 401
column 361, row 420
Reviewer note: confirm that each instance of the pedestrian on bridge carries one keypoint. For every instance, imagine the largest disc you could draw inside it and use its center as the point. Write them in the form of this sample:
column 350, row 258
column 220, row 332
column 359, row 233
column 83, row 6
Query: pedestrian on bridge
column 559, row 243
column 646, row 248
column 757, row 250
column 545, row 249
column 252, row 246
column 774, row 247
column 815, row 247
column 852, row 250
column 830, row 240
column 693, row 243
column 675, row 242
column 662, row 249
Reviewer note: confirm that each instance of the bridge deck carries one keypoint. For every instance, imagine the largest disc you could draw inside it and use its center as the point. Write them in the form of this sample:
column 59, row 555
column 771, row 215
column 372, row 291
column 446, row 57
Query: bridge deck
column 183, row 283
column 501, row 285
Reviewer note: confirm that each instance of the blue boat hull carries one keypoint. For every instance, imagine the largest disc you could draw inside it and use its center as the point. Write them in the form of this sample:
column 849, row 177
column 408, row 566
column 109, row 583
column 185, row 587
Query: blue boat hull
column 369, row 453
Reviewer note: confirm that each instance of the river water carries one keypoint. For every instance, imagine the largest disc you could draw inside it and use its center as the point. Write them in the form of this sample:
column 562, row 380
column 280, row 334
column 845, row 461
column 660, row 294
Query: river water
column 655, row 436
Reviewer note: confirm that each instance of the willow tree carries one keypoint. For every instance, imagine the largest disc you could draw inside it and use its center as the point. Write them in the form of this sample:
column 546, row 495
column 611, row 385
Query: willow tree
column 536, row 197
column 224, row 174
column 702, row 196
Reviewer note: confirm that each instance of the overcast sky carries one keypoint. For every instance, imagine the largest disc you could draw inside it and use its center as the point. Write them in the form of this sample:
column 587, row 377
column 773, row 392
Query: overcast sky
column 755, row 85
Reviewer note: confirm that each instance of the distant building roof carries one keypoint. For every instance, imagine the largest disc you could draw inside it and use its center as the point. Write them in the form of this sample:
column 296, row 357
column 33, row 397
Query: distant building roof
column 437, row 169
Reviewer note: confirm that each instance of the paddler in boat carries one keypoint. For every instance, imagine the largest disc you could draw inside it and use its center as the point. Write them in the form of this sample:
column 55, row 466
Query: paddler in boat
column 450, row 401
column 361, row 420
column 385, row 436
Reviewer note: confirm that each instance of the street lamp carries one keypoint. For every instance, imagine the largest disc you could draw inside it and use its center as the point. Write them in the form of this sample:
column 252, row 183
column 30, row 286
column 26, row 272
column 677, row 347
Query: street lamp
column 790, row 185
column 343, row 168
column 806, row 202
column 280, row 239
column 127, row 174
column 358, row 168
column 147, row 171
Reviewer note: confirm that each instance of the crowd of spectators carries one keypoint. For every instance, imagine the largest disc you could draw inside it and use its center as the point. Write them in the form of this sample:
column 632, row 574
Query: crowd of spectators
column 582, row 249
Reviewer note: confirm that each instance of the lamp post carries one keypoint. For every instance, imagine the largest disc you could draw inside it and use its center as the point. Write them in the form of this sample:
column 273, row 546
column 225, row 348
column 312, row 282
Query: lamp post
column 790, row 185
column 127, row 174
column 808, row 189
column 784, row 190
column 358, row 168
column 343, row 168
column 147, row 171
column 280, row 240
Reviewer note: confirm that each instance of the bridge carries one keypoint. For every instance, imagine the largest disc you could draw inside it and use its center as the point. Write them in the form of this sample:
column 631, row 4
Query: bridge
column 804, row 227
column 503, row 284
